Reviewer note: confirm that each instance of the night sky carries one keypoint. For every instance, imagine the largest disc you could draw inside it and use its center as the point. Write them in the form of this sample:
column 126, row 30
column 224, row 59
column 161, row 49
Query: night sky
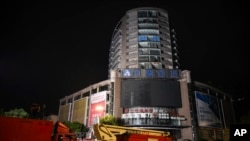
column 52, row 49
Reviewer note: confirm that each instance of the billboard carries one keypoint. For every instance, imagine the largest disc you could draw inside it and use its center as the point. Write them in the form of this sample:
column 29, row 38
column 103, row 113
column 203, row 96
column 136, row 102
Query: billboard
column 150, row 92
column 208, row 111
column 97, row 107
column 80, row 110
column 64, row 112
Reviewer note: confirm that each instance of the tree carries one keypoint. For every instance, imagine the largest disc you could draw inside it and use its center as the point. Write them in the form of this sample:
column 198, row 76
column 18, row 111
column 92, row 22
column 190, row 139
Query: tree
column 111, row 120
column 76, row 126
column 22, row 113
column 17, row 113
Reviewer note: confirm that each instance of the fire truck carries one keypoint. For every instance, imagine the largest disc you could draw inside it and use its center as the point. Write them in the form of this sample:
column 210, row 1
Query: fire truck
column 104, row 132
column 25, row 129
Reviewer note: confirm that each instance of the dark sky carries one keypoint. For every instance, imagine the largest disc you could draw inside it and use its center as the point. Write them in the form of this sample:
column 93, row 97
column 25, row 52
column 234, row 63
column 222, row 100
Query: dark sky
column 52, row 49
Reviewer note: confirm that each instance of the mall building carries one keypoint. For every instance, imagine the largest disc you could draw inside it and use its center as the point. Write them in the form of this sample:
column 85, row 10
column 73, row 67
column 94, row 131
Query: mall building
column 146, row 87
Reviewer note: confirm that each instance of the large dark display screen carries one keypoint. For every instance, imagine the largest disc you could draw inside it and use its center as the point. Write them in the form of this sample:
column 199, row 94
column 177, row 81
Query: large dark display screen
column 150, row 92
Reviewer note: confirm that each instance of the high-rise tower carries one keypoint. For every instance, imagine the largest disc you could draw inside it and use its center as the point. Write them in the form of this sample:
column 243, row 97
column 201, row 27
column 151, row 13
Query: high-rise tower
column 143, row 39
column 144, row 54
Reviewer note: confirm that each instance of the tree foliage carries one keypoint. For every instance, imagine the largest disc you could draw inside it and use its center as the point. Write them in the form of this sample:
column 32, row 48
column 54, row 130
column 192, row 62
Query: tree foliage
column 17, row 113
column 111, row 120
column 76, row 126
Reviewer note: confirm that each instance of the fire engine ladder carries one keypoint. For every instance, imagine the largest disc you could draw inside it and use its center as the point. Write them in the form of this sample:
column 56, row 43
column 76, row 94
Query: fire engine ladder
column 108, row 132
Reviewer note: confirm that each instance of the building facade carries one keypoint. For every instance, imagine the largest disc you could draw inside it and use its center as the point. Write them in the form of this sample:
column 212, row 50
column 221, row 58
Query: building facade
column 143, row 39
column 146, row 87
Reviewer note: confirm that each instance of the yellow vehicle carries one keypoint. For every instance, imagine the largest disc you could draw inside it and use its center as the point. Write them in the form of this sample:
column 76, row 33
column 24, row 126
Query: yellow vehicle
column 119, row 133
